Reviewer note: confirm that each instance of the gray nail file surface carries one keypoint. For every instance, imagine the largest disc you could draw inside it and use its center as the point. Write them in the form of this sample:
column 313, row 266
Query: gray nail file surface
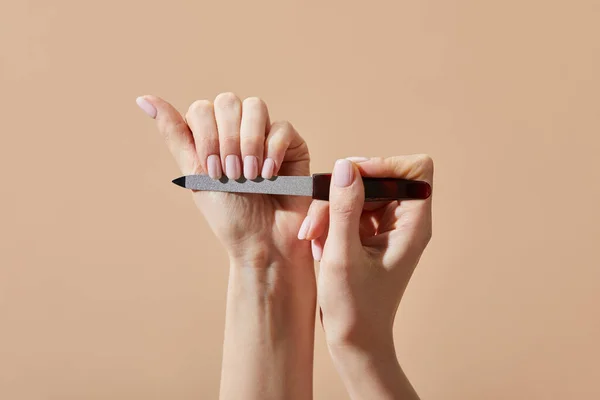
column 285, row 185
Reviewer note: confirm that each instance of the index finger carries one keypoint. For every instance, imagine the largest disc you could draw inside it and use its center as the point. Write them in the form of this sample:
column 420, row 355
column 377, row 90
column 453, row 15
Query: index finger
column 413, row 167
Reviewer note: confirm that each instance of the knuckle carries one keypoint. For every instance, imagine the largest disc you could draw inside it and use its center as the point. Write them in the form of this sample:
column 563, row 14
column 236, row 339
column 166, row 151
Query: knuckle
column 255, row 114
column 300, row 152
column 252, row 139
column 284, row 126
column 343, row 209
column 200, row 107
column 276, row 144
column 254, row 103
column 226, row 100
column 172, row 127
column 425, row 163
column 425, row 160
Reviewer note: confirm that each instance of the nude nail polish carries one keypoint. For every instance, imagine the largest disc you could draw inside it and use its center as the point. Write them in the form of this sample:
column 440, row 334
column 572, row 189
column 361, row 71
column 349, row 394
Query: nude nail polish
column 304, row 228
column 250, row 167
column 317, row 251
column 358, row 159
column 213, row 163
column 233, row 169
column 146, row 106
column 268, row 168
column 343, row 173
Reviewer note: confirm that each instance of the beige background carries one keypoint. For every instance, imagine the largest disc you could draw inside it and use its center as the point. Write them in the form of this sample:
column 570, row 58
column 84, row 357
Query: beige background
column 111, row 284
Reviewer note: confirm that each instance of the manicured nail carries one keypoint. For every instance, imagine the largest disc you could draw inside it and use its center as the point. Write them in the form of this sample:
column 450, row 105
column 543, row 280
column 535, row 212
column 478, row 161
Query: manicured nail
column 304, row 228
column 250, row 167
column 146, row 107
column 213, row 162
column 317, row 251
column 343, row 173
column 233, row 169
column 358, row 159
column 268, row 168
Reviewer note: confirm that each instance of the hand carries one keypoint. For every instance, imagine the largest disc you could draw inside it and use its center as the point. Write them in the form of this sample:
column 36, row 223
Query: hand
column 234, row 138
column 269, row 325
column 368, row 253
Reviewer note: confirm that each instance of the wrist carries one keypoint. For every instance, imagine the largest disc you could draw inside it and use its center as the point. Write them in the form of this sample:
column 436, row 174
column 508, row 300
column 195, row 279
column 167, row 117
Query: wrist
column 378, row 348
column 371, row 371
column 354, row 334
column 263, row 255
column 279, row 287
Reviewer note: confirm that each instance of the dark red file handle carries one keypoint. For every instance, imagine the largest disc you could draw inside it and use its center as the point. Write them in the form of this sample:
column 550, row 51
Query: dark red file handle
column 377, row 189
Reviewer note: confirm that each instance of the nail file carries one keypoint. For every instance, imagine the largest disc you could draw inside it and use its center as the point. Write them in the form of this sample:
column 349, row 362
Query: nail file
column 315, row 186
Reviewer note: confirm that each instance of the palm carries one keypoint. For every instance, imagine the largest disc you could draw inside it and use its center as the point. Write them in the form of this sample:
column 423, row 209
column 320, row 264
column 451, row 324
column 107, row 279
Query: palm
column 239, row 217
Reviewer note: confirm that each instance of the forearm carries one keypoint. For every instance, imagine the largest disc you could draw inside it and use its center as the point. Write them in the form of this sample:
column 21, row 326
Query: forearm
column 269, row 332
column 372, row 372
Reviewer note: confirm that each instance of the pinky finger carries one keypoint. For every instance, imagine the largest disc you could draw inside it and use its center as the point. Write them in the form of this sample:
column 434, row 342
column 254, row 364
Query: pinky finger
column 281, row 137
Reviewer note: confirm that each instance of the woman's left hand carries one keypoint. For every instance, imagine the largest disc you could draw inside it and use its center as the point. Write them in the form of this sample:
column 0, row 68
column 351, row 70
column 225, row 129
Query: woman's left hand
column 234, row 138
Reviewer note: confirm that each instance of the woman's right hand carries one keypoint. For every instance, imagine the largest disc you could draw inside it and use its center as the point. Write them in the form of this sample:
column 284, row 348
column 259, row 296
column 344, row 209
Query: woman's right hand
column 368, row 253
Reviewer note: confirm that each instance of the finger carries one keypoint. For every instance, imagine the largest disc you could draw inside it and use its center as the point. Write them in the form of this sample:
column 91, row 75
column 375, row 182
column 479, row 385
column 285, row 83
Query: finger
column 201, row 120
column 369, row 224
column 255, row 117
column 317, row 249
column 228, row 114
column 175, row 131
column 284, row 145
column 346, row 200
column 413, row 216
column 374, row 205
column 316, row 222
column 416, row 166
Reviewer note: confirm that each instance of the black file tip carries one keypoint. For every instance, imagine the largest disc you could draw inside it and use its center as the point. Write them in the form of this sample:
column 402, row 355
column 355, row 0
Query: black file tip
column 179, row 181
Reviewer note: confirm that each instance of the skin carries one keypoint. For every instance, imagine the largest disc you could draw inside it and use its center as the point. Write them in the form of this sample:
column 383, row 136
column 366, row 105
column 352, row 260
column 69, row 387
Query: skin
column 271, row 300
column 367, row 254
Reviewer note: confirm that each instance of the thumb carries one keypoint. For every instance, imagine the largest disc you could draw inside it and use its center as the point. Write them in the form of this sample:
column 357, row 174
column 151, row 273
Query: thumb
column 174, row 130
column 346, row 200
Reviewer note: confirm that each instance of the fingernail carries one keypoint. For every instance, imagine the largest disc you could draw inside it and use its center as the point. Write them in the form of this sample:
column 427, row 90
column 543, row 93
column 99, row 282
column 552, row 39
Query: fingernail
column 214, row 166
column 146, row 107
column 268, row 168
column 317, row 251
column 304, row 228
column 343, row 173
column 233, row 169
column 250, row 167
column 358, row 159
